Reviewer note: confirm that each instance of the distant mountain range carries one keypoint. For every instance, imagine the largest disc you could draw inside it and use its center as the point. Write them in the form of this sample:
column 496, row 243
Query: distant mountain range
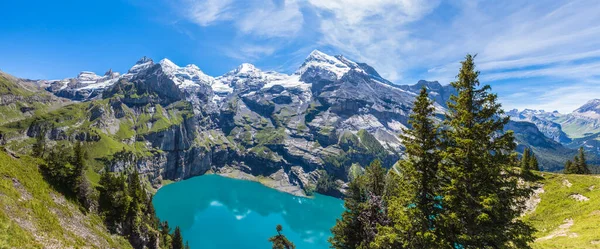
column 580, row 128
column 174, row 122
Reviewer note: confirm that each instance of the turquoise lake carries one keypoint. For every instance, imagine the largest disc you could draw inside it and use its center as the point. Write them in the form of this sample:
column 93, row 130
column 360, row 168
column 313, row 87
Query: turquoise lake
column 218, row 212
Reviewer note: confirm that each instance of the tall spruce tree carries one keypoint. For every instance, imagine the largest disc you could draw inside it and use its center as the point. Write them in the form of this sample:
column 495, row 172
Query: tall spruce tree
column 525, row 159
column 582, row 167
column 481, row 198
column 414, row 210
column 533, row 163
column 578, row 165
column 39, row 147
column 569, row 168
column 347, row 232
column 365, row 210
column 177, row 240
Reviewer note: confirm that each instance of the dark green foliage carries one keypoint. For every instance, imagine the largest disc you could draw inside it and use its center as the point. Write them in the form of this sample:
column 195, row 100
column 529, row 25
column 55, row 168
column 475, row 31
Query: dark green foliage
column 347, row 232
column 414, row 207
column 525, row 159
column 375, row 175
column 533, row 163
column 177, row 240
column 39, row 147
column 84, row 191
column 578, row 165
column 114, row 198
column 58, row 169
column 529, row 161
column 569, row 169
column 125, row 204
column 66, row 172
column 137, row 194
column 280, row 241
column 326, row 183
column 365, row 210
column 187, row 245
column 165, row 234
column 481, row 196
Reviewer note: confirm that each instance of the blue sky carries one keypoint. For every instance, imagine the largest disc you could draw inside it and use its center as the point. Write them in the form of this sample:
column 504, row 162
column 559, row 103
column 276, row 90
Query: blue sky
column 541, row 54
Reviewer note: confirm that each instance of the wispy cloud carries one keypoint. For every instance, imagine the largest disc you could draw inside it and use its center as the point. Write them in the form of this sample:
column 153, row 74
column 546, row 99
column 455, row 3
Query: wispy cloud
column 206, row 12
column 255, row 18
column 563, row 98
column 407, row 40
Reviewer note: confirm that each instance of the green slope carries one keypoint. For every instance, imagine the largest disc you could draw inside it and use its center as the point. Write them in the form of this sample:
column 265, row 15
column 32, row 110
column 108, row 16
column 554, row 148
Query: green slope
column 33, row 215
column 20, row 99
column 563, row 221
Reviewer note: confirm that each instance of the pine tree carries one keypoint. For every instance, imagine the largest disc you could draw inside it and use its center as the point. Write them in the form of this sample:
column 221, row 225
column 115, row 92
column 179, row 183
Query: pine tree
column 375, row 175
column 280, row 241
column 39, row 147
column 177, row 240
column 413, row 211
column 365, row 210
column 533, row 163
column 481, row 198
column 80, row 185
column 347, row 232
column 525, row 159
column 569, row 168
column 165, row 234
column 578, row 165
column 114, row 200
column 138, row 196
column 582, row 167
column 187, row 245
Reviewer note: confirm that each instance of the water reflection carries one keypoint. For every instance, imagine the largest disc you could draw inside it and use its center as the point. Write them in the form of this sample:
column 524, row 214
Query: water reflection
column 218, row 212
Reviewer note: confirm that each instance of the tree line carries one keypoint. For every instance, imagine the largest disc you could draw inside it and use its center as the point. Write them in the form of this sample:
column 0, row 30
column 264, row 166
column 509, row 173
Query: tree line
column 457, row 185
column 120, row 199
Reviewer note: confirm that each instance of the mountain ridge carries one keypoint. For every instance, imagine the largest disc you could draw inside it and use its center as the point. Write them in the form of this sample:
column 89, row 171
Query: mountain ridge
column 175, row 122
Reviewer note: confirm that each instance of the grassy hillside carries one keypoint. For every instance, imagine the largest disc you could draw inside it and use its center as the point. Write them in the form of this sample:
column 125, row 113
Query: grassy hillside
column 20, row 99
column 33, row 215
column 568, row 215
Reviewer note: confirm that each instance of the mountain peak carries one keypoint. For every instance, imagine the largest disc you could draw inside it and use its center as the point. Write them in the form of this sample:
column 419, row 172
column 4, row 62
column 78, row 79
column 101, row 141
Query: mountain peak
column 320, row 61
column 143, row 60
column 141, row 65
column 317, row 54
column 433, row 85
column 166, row 63
column 591, row 106
column 245, row 68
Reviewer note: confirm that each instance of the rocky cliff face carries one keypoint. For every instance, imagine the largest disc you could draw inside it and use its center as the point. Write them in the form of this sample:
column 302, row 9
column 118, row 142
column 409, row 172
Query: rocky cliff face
column 175, row 122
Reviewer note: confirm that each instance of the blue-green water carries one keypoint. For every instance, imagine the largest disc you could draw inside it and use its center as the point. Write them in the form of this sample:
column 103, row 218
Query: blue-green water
column 219, row 212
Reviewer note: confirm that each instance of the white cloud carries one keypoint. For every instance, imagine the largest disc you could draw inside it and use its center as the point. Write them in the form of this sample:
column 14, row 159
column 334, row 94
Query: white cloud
column 206, row 12
column 272, row 20
column 372, row 31
column 565, row 98
column 408, row 40
column 266, row 18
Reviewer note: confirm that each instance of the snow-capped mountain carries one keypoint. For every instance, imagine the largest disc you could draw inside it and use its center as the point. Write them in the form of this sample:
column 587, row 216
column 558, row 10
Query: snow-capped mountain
column 580, row 128
column 584, row 121
column 544, row 121
column 329, row 112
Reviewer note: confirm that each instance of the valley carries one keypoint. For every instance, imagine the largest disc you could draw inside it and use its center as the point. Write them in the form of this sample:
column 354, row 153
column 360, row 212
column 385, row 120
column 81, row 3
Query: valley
column 307, row 134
